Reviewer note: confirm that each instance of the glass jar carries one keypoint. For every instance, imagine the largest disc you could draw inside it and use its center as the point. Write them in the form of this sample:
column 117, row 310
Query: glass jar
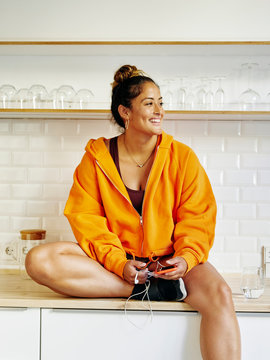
column 29, row 238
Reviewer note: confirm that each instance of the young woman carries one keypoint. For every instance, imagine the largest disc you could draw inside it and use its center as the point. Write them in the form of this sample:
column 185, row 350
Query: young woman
column 139, row 202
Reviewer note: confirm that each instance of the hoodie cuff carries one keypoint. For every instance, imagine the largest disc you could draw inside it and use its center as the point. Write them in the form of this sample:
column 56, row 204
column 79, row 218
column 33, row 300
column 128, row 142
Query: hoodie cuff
column 117, row 266
column 190, row 259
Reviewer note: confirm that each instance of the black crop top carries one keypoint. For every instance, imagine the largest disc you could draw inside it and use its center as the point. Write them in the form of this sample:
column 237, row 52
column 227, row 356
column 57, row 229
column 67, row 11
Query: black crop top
column 136, row 196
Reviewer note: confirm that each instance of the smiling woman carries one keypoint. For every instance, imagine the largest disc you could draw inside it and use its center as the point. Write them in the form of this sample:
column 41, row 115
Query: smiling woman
column 142, row 202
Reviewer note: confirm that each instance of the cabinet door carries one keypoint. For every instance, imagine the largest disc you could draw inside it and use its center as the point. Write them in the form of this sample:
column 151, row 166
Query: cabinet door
column 99, row 335
column 19, row 334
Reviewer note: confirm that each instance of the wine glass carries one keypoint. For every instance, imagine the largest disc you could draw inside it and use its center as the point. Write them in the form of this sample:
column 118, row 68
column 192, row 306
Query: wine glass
column 6, row 95
column 249, row 98
column 168, row 96
column 191, row 97
column 201, row 95
column 181, row 93
column 209, row 97
column 219, row 97
column 83, row 99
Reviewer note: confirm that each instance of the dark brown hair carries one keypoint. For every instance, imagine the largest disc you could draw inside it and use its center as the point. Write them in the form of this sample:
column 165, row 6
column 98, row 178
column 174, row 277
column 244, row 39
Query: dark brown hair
column 127, row 85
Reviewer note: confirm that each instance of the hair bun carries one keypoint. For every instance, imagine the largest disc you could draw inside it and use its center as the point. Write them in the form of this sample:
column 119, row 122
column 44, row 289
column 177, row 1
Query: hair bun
column 125, row 72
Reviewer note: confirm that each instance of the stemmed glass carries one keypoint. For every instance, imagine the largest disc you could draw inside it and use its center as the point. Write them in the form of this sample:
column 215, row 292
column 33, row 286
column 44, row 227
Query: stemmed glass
column 168, row 96
column 219, row 98
column 181, row 93
column 191, row 97
column 209, row 97
column 201, row 95
column 249, row 98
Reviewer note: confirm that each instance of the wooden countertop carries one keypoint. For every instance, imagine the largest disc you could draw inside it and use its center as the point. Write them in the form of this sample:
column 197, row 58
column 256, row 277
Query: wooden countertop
column 21, row 293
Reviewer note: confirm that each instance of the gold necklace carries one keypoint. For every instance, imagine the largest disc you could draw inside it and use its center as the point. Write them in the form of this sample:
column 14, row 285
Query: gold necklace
column 138, row 164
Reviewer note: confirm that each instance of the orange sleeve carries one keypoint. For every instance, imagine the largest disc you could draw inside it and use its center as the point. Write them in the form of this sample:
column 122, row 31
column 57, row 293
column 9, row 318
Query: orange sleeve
column 86, row 216
column 196, row 216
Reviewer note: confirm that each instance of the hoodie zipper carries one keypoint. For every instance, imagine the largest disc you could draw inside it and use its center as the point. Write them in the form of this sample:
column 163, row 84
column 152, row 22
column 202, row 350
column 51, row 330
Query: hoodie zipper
column 140, row 216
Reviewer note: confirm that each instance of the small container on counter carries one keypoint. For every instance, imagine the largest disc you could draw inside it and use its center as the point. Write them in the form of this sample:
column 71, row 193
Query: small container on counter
column 29, row 238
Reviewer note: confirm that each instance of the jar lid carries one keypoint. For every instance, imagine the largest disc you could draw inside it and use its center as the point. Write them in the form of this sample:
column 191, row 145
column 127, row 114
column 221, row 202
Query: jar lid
column 33, row 234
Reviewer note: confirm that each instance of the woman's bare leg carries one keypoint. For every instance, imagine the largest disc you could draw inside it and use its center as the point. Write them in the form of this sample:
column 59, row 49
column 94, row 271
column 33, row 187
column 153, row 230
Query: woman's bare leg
column 65, row 268
column 209, row 294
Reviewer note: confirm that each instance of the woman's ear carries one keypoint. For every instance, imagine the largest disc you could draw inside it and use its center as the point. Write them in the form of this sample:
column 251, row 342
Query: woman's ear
column 123, row 112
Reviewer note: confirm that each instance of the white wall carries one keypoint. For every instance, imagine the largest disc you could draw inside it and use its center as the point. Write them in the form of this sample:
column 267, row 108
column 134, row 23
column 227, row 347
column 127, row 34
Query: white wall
column 134, row 20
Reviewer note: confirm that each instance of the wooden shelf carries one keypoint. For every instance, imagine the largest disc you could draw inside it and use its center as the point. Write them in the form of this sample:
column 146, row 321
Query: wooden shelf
column 105, row 114
column 157, row 48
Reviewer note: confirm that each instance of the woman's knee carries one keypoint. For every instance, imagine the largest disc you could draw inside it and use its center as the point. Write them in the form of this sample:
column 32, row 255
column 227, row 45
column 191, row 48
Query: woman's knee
column 38, row 262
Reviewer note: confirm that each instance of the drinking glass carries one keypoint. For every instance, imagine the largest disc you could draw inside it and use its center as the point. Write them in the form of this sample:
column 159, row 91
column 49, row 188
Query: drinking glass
column 38, row 95
column 7, row 93
column 65, row 97
column 83, row 99
column 22, row 98
column 249, row 98
column 252, row 282
column 201, row 95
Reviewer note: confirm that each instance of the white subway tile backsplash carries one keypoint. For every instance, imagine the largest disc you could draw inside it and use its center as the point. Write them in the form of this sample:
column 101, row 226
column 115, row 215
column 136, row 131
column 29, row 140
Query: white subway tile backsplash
column 41, row 208
column 226, row 194
column 239, row 211
column 13, row 142
column 13, row 175
column 27, row 158
column 4, row 127
column 222, row 161
column 44, row 175
column 26, row 222
column 263, row 211
column 26, row 191
column 38, row 158
column 240, row 177
column 4, row 224
column 210, row 144
column 255, row 128
column 56, row 223
column 254, row 227
column 5, row 158
column 240, row 144
column 56, row 191
column 238, row 244
column 224, row 128
column 257, row 161
column 61, row 159
column 12, row 207
column 61, row 127
column 97, row 128
column 264, row 177
column 5, row 191
column 227, row 227
column 255, row 194
column 45, row 143
column 191, row 128
column 27, row 126
column 264, row 145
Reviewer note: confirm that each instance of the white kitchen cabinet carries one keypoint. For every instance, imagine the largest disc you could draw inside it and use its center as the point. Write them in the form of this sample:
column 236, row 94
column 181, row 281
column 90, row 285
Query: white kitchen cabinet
column 19, row 333
column 107, row 334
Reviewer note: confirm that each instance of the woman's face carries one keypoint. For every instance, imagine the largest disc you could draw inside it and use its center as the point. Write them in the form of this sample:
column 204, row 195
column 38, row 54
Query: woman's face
column 146, row 112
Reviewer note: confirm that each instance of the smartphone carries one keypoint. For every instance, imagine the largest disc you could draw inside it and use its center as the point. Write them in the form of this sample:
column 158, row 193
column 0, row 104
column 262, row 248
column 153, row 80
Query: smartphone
column 165, row 270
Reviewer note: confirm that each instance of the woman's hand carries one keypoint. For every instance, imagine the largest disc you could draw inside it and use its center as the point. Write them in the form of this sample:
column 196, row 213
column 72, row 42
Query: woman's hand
column 181, row 268
column 131, row 269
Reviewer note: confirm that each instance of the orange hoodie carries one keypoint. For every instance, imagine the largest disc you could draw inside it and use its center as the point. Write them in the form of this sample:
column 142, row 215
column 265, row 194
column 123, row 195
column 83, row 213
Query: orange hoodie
column 178, row 214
